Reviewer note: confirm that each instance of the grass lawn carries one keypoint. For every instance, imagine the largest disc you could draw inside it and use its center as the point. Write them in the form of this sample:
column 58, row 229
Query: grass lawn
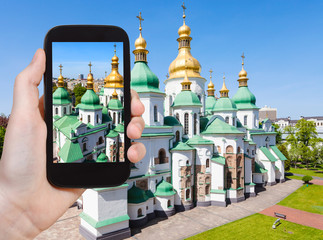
column 294, row 177
column 308, row 199
column 304, row 171
column 259, row 226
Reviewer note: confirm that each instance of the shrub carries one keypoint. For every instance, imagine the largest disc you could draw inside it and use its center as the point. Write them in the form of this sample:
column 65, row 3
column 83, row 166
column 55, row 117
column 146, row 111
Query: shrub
column 306, row 179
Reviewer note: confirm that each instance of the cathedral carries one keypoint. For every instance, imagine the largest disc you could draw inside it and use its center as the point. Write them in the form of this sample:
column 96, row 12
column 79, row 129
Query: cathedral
column 201, row 150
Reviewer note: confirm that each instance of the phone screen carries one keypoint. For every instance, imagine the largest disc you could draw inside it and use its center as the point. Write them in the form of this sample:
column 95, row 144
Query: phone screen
column 88, row 102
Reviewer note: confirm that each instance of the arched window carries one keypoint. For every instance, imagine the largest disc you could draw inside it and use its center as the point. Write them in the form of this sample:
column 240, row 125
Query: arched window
column 239, row 161
column 177, row 116
column 170, row 100
column 227, row 120
column 207, row 180
column 119, row 117
column 88, row 118
column 155, row 113
column 229, row 180
column 199, row 97
column 229, row 149
column 238, row 150
column 56, row 111
column 245, row 120
column 207, row 189
column 97, row 118
column 219, row 149
column 84, row 147
column 121, row 99
column 169, row 203
column 139, row 213
column 188, row 193
column 177, row 136
column 207, row 163
column 238, row 179
column 101, row 140
column 186, row 123
column 64, row 110
column 114, row 118
column 195, row 123
column 233, row 121
column 187, row 163
column 162, row 156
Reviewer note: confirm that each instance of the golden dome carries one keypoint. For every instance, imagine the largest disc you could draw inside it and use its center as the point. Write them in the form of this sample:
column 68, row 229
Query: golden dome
column 243, row 80
column 114, row 94
column 224, row 92
column 114, row 79
column 60, row 79
column 140, row 42
column 90, row 79
column 184, row 31
column 210, row 85
column 186, row 84
column 242, row 73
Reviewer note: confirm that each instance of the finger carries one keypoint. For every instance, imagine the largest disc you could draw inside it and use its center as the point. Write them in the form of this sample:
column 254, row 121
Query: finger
column 137, row 108
column 41, row 106
column 25, row 97
column 136, row 152
column 135, row 127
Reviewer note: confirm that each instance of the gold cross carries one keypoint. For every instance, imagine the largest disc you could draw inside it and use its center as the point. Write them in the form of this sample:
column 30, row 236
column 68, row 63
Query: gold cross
column 105, row 73
column 60, row 68
column 115, row 49
column 140, row 19
column 223, row 76
column 183, row 6
column 211, row 71
column 90, row 65
column 243, row 57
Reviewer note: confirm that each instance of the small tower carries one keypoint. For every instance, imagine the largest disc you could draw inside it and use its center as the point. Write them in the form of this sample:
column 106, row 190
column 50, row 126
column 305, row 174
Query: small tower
column 114, row 81
column 62, row 104
column 146, row 83
column 115, row 109
column 187, row 108
column 90, row 110
column 210, row 100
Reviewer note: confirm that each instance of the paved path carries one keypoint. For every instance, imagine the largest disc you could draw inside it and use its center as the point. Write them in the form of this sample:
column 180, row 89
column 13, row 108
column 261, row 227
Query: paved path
column 297, row 216
column 317, row 182
column 301, row 175
column 200, row 219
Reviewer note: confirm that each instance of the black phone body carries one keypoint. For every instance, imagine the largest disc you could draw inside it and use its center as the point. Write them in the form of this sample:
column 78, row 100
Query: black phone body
column 87, row 143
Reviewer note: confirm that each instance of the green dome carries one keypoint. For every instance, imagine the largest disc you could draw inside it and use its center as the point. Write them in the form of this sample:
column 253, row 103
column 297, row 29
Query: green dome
column 102, row 91
column 171, row 121
column 244, row 99
column 105, row 115
column 102, row 158
column 61, row 96
column 143, row 79
column 136, row 195
column 90, row 101
column 224, row 104
column 115, row 104
column 209, row 104
column 119, row 128
column 164, row 189
column 186, row 98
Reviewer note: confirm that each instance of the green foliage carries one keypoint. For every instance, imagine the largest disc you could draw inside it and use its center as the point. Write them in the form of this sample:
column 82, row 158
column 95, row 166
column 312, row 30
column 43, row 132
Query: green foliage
column 306, row 179
column 284, row 151
column 279, row 133
column 2, row 134
column 78, row 91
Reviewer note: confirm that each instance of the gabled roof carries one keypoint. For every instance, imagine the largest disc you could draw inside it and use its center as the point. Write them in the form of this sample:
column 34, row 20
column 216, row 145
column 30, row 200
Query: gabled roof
column 112, row 134
column 278, row 153
column 171, row 121
column 259, row 169
column 164, row 189
column 67, row 123
column 198, row 140
column 181, row 146
column 217, row 126
column 102, row 158
column 119, row 128
column 268, row 154
column 219, row 159
column 70, row 152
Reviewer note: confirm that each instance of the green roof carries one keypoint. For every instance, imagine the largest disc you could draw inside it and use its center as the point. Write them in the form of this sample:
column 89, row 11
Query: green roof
column 112, row 134
column 115, row 104
column 203, row 122
column 265, row 120
column 259, row 169
column 219, row 159
column 119, row 128
column 171, row 121
column 224, row 104
column 101, row 91
column 198, row 140
column 244, row 99
column 150, row 194
column 61, row 96
column 105, row 115
column 136, row 195
column 278, row 153
column 98, row 224
column 268, row 154
column 186, row 98
column 209, row 104
column 102, row 158
column 67, row 123
column 143, row 79
column 217, row 126
column 181, row 146
column 90, row 101
column 239, row 125
column 164, row 189
column 262, row 133
column 70, row 152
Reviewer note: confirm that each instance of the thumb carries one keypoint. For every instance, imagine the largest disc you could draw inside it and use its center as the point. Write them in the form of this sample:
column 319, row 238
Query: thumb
column 26, row 95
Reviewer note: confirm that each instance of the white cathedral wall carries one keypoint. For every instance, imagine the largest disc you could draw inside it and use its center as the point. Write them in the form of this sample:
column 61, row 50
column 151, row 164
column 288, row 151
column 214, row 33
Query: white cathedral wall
column 191, row 110
column 225, row 140
column 230, row 114
column 217, row 177
column 260, row 140
column 252, row 117
column 204, row 152
column 94, row 114
column 150, row 100
column 91, row 141
column 60, row 109
column 247, row 170
column 161, row 203
column 108, row 95
column 133, row 210
column 174, row 87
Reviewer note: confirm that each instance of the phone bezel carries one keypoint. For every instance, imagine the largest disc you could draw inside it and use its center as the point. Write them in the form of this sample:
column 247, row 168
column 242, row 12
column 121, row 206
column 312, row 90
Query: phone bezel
column 86, row 175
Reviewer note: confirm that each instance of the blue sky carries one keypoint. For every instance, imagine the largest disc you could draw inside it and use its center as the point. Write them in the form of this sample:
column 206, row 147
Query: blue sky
column 75, row 58
column 282, row 42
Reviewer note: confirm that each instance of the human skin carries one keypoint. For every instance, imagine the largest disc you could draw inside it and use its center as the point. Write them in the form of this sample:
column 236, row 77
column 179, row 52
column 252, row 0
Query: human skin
column 28, row 203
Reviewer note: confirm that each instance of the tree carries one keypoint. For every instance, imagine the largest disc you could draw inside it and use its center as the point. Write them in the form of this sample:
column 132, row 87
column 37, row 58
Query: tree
column 78, row 91
column 284, row 151
column 3, row 120
column 279, row 133
column 2, row 133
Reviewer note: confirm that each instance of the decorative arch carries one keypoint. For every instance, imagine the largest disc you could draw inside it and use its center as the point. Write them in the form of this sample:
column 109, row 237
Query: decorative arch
column 188, row 193
column 207, row 164
column 227, row 120
column 195, row 123
column 56, row 111
column 207, row 179
column 169, row 203
column 238, row 150
column 162, row 156
column 155, row 114
column 177, row 136
column 229, row 179
column 64, row 110
column 229, row 149
column 239, row 161
column 207, row 189
column 101, row 140
column 245, row 120
column 114, row 118
column 139, row 212
column 177, row 116
column 186, row 123
column 238, row 179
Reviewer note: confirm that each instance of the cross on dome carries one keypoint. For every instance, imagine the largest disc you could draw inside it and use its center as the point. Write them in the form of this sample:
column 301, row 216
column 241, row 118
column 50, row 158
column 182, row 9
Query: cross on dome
column 140, row 19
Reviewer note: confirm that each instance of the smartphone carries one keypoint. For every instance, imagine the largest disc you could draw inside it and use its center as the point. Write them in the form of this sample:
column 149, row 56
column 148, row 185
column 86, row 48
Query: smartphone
column 87, row 105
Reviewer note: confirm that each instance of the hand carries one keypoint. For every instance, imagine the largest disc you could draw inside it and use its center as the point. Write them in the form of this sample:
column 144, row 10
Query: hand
column 28, row 203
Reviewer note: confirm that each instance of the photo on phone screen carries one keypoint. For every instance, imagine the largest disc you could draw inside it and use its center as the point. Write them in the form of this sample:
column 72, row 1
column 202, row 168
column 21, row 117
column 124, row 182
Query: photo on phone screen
column 88, row 102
